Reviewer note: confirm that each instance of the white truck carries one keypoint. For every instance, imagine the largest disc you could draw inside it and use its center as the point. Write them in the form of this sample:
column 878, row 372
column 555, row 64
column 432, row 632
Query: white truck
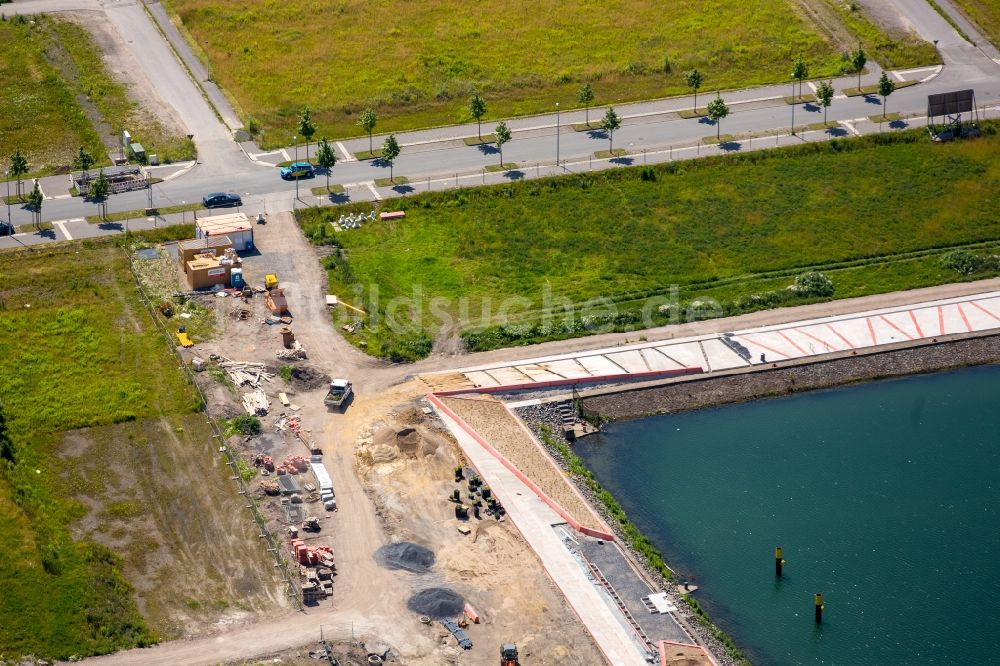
column 339, row 394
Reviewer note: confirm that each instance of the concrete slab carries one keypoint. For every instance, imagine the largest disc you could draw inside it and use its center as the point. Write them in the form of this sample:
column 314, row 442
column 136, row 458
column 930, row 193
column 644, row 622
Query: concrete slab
column 538, row 373
column 687, row 354
column 480, row 378
column 568, row 368
column 631, row 360
column 599, row 365
column 721, row 357
column 657, row 360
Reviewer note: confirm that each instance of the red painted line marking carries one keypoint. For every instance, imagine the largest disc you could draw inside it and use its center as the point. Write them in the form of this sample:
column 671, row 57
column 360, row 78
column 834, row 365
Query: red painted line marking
column 908, row 336
column 779, row 353
column 913, row 316
column 941, row 320
column 965, row 319
column 826, row 345
column 871, row 330
column 838, row 334
column 792, row 342
column 983, row 308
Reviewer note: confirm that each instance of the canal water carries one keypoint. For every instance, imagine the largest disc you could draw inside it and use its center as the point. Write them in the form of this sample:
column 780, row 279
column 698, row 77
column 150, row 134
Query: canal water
column 885, row 497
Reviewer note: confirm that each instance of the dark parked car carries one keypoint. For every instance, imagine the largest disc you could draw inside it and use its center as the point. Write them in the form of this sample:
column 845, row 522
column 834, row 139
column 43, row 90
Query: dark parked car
column 298, row 170
column 6, row 228
column 221, row 199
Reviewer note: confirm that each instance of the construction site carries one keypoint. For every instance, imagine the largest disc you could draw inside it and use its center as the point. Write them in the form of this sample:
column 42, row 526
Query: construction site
column 376, row 520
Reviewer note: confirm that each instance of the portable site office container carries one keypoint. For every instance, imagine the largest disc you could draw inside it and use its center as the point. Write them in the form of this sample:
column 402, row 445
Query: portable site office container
column 235, row 225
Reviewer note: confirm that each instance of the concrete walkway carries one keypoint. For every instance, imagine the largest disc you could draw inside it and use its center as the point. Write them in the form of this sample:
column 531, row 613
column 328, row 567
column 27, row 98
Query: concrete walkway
column 721, row 351
column 535, row 519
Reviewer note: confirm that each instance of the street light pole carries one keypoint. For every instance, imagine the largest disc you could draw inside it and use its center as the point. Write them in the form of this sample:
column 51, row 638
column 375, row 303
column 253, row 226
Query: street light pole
column 295, row 140
column 557, row 135
column 7, row 178
column 793, row 108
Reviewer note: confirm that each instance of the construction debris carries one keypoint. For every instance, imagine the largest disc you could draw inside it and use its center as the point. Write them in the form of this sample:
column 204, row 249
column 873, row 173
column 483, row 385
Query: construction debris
column 256, row 403
column 246, row 374
column 294, row 353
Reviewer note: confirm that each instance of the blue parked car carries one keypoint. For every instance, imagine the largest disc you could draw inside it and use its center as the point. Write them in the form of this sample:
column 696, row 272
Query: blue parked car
column 298, row 170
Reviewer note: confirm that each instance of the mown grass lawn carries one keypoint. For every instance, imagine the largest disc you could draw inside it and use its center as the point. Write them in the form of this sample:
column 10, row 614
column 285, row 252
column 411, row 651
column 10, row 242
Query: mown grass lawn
column 875, row 213
column 46, row 64
column 418, row 62
column 77, row 349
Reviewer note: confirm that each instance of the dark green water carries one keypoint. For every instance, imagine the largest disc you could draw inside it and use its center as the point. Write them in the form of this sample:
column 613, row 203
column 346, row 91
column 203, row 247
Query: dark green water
column 885, row 498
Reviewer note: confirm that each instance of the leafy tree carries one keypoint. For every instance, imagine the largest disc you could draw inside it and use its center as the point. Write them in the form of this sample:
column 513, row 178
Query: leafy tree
column 824, row 94
column 367, row 121
column 586, row 97
column 609, row 123
column 858, row 60
column 35, row 202
column 800, row 72
column 502, row 136
column 18, row 167
column 98, row 191
column 390, row 151
column 6, row 445
column 886, row 87
column 477, row 109
column 693, row 78
column 326, row 158
column 83, row 160
column 717, row 110
column 306, row 128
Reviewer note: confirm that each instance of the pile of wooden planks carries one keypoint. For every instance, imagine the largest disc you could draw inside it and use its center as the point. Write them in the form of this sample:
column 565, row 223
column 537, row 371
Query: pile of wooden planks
column 256, row 403
column 245, row 373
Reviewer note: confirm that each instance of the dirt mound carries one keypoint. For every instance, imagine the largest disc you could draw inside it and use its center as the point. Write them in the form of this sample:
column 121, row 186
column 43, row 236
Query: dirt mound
column 406, row 556
column 436, row 602
column 304, row 377
column 412, row 442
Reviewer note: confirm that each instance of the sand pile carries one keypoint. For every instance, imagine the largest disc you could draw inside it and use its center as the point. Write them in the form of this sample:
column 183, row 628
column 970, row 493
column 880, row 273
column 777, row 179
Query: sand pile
column 405, row 555
column 437, row 603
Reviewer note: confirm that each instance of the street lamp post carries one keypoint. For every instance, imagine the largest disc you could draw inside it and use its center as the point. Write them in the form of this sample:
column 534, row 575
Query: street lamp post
column 7, row 178
column 793, row 107
column 557, row 135
column 184, row 215
column 295, row 140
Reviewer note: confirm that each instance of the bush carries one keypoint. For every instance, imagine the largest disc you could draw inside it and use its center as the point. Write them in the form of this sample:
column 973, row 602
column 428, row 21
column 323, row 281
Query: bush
column 963, row 261
column 285, row 372
column 244, row 425
column 813, row 283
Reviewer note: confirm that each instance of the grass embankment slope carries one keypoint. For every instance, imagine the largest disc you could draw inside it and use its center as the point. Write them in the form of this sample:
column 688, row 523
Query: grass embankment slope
column 875, row 214
column 102, row 421
column 58, row 96
column 985, row 14
column 418, row 62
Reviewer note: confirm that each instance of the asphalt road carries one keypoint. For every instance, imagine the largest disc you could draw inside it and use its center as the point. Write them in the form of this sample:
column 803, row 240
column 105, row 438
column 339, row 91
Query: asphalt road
column 437, row 158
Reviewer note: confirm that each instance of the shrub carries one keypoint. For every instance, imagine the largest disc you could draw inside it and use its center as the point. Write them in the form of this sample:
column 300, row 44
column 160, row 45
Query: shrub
column 285, row 372
column 963, row 261
column 813, row 283
column 244, row 425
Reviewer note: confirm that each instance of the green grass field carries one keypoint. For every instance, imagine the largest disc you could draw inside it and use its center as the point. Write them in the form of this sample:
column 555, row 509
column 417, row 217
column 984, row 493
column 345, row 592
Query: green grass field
column 985, row 14
column 875, row 214
column 98, row 412
column 418, row 62
column 46, row 67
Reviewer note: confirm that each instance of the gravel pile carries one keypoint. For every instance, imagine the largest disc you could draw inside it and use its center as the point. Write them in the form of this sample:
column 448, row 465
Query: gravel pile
column 406, row 556
column 437, row 603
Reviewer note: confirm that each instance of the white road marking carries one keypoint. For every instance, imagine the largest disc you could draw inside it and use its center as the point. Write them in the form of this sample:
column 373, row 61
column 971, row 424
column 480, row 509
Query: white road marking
column 348, row 157
column 63, row 196
column 62, row 227
column 898, row 76
column 371, row 186
column 188, row 167
column 849, row 124
column 284, row 153
column 76, row 219
column 811, row 85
